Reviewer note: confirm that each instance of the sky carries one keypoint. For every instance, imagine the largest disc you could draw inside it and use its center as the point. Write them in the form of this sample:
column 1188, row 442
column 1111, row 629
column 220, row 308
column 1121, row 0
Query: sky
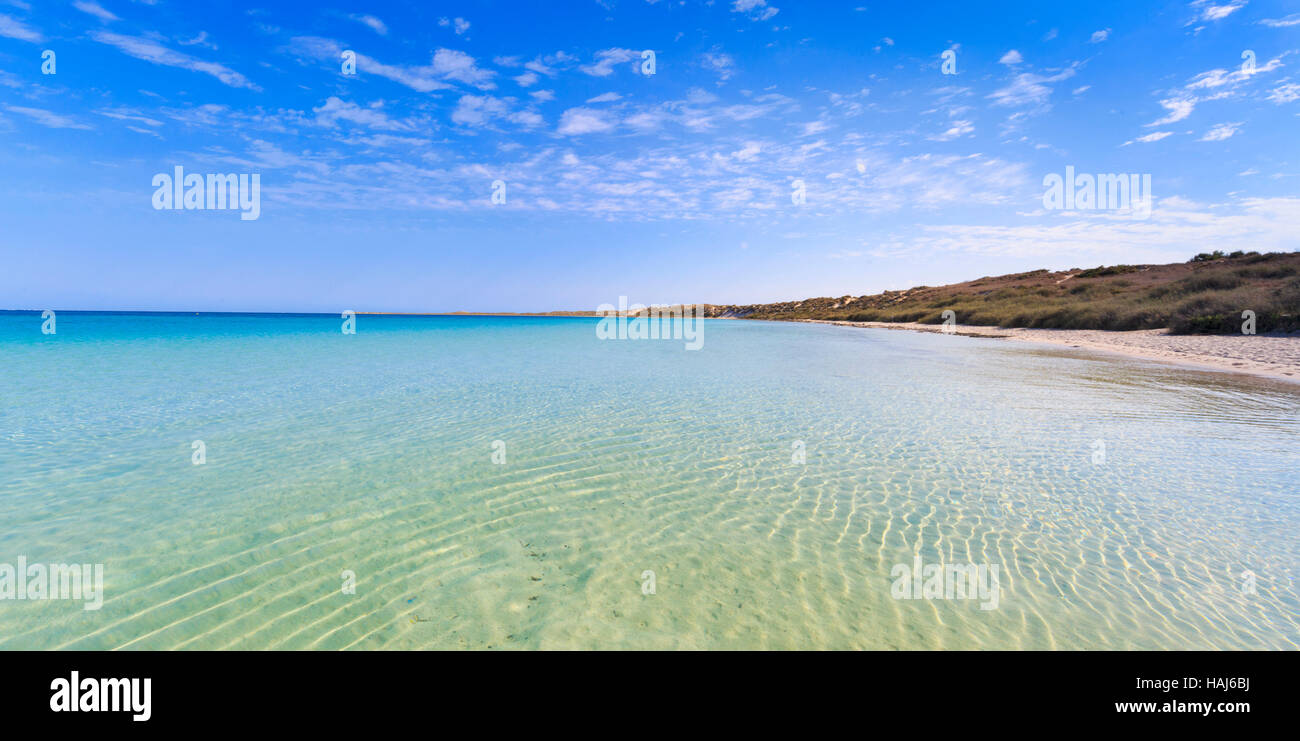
column 734, row 151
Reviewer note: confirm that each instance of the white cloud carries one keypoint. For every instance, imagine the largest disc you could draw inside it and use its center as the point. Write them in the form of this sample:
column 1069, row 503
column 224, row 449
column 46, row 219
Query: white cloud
column 95, row 9
column 1285, row 93
column 475, row 110
column 605, row 98
column 1099, row 36
column 478, row 110
column 447, row 65
column 1154, row 136
column 1219, row 77
column 526, row 119
column 46, row 118
column 748, row 152
column 1179, row 108
column 526, row 79
column 1183, row 101
column 722, row 64
column 584, row 121
column 1262, row 224
column 459, row 66
column 374, row 23
column 152, row 51
column 959, row 129
column 1290, row 20
column 546, row 65
column 200, row 40
column 1220, row 132
column 1212, row 12
column 127, row 114
column 1028, row 88
column 812, row 128
column 15, row 30
column 758, row 10
column 1011, row 57
column 607, row 58
column 335, row 110
column 461, row 25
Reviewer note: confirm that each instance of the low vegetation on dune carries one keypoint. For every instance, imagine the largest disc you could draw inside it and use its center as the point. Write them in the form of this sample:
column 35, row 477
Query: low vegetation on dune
column 1205, row 295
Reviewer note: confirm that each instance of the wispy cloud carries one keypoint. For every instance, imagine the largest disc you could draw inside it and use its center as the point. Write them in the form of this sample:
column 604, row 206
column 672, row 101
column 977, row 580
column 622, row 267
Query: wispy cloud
column 606, row 59
column 47, row 118
column 14, row 29
column 1290, row 20
column 576, row 121
column 130, row 115
column 460, row 25
column 958, row 129
column 758, row 10
column 1215, row 84
column 372, row 22
column 1220, row 132
column 1285, row 93
column 1261, row 224
column 152, row 51
column 451, row 64
column 447, row 66
column 723, row 64
column 482, row 110
column 95, row 9
column 1154, row 136
column 335, row 110
column 1179, row 108
column 1210, row 12
column 200, row 40
column 1029, row 89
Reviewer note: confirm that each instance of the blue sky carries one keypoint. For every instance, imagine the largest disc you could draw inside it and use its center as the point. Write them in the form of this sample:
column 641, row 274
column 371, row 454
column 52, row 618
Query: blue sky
column 665, row 187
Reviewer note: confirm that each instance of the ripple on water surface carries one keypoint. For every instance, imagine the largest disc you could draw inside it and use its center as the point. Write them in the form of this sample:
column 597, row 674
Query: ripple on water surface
column 771, row 481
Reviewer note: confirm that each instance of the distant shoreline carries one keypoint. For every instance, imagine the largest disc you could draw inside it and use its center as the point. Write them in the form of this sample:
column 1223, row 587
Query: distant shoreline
column 1275, row 356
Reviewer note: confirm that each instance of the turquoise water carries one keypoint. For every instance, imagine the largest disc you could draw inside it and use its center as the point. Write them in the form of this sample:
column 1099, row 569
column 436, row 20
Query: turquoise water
column 373, row 453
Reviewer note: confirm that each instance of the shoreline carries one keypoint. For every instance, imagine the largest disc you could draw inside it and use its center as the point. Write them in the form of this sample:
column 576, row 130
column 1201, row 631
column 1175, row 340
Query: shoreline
column 1270, row 356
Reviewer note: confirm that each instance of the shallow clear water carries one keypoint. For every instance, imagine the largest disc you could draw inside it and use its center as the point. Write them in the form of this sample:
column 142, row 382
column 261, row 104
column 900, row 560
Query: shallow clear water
column 373, row 453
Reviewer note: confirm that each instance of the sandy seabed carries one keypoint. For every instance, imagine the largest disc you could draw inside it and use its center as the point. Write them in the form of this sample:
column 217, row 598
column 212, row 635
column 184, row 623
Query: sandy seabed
column 1272, row 355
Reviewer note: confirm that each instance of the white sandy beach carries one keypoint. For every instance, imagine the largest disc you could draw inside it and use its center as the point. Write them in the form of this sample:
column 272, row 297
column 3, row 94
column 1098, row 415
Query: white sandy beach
column 1275, row 356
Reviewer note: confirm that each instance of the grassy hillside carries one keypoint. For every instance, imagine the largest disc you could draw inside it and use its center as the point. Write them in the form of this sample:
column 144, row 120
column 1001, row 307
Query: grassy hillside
column 1204, row 295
